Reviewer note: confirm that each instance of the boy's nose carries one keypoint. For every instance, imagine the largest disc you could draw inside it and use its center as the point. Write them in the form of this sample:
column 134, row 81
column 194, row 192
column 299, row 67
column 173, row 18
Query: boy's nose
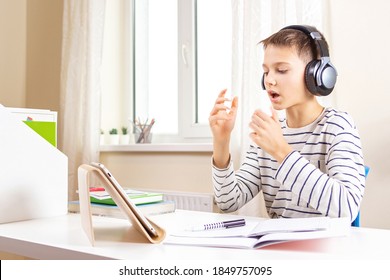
column 270, row 80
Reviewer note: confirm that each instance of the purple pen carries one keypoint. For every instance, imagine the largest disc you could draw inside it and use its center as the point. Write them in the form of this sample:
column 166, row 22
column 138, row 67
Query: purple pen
column 218, row 225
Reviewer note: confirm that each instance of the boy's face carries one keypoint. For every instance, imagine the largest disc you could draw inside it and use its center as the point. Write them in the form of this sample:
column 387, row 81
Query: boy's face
column 284, row 77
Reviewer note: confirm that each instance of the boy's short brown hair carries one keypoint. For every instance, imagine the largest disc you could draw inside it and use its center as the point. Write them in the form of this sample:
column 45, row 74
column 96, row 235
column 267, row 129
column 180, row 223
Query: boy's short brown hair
column 292, row 38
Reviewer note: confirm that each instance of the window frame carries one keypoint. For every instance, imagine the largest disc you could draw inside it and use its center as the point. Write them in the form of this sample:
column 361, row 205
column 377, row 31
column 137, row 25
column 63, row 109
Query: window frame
column 188, row 130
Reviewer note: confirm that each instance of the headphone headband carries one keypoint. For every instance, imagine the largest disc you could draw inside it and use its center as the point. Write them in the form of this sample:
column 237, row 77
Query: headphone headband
column 315, row 35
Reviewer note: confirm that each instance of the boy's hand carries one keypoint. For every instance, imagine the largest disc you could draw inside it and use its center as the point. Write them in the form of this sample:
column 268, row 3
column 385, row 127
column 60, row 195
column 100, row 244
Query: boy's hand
column 222, row 118
column 268, row 134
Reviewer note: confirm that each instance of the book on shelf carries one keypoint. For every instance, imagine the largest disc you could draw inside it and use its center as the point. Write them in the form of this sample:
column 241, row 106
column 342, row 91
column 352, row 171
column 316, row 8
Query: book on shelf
column 149, row 209
column 137, row 197
column 257, row 234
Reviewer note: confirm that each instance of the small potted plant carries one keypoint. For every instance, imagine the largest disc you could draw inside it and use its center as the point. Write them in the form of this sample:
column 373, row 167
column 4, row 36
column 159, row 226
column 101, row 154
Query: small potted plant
column 125, row 137
column 114, row 137
column 102, row 136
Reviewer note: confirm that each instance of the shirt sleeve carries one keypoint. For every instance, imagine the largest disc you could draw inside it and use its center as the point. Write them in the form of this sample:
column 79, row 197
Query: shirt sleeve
column 232, row 190
column 338, row 191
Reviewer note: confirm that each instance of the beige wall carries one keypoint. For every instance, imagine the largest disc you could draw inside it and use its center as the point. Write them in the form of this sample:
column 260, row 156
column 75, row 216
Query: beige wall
column 44, row 38
column 30, row 75
column 30, row 53
column 361, row 45
column 13, row 30
column 165, row 171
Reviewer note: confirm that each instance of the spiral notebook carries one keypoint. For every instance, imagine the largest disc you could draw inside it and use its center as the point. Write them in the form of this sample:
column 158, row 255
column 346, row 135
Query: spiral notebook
column 257, row 234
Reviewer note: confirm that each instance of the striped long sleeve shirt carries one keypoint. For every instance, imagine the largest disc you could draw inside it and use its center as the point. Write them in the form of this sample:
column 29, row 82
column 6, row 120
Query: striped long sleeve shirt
column 323, row 176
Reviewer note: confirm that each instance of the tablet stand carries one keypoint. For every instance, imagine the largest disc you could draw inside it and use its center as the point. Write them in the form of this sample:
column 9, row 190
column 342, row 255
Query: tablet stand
column 86, row 175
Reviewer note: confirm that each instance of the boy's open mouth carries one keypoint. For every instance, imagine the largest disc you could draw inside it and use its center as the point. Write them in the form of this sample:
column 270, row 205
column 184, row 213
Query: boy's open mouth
column 273, row 94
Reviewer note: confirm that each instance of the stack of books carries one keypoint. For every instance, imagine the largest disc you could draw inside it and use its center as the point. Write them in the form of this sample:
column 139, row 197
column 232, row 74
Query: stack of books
column 150, row 203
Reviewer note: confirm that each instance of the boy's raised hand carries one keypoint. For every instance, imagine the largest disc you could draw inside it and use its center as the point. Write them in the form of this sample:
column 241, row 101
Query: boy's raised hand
column 268, row 135
column 222, row 118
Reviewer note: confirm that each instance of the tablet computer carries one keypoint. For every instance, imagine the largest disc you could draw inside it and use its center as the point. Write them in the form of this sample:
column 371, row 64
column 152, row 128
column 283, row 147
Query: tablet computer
column 123, row 201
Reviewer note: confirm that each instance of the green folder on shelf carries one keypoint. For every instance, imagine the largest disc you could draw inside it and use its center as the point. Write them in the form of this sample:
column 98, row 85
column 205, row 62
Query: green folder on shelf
column 42, row 121
column 138, row 197
column 46, row 129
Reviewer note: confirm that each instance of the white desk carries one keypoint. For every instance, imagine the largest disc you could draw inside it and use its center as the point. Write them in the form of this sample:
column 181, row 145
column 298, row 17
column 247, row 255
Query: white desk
column 63, row 238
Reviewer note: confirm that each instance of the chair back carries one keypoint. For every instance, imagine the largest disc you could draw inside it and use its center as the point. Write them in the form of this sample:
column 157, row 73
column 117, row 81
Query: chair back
column 356, row 222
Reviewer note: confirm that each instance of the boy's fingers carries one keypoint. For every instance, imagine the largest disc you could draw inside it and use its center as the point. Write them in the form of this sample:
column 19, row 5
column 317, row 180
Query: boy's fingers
column 222, row 92
column 217, row 108
column 235, row 102
column 218, row 117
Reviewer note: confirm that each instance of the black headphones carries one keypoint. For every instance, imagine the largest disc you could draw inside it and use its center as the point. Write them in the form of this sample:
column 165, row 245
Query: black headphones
column 320, row 74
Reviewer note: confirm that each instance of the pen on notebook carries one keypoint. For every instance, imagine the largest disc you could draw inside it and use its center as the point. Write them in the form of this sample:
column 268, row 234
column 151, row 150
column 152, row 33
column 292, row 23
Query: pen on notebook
column 217, row 225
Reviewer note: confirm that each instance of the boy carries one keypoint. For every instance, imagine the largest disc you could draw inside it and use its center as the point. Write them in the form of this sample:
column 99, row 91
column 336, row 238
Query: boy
column 308, row 164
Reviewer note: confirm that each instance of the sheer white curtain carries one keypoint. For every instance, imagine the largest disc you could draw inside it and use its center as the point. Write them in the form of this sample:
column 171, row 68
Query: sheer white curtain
column 83, row 22
column 254, row 20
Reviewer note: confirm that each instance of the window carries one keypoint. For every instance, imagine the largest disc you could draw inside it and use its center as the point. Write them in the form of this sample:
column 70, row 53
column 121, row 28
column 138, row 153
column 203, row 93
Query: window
column 181, row 60
column 214, row 52
column 156, row 63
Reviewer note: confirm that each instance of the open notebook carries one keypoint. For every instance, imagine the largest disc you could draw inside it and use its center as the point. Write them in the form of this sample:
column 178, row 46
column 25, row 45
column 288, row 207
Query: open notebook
column 262, row 233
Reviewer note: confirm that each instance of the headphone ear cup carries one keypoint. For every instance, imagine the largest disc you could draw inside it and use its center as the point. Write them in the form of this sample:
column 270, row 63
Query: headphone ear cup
column 310, row 78
column 327, row 76
column 328, row 79
column 262, row 82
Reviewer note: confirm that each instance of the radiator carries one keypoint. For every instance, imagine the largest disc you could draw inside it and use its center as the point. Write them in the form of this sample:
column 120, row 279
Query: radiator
column 188, row 200
column 191, row 201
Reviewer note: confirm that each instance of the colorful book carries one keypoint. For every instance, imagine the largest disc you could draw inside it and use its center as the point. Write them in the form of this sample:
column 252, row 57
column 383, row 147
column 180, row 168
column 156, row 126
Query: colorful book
column 113, row 211
column 137, row 197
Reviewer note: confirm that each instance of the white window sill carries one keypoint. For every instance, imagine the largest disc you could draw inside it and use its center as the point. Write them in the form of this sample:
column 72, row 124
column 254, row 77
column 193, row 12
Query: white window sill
column 162, row 147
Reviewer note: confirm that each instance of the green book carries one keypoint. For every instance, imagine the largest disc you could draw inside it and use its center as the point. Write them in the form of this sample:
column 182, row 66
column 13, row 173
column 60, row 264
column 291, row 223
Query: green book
column 137, row 197
column 149, row 209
